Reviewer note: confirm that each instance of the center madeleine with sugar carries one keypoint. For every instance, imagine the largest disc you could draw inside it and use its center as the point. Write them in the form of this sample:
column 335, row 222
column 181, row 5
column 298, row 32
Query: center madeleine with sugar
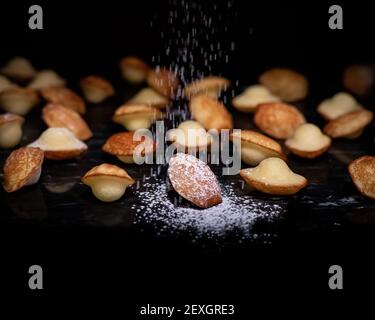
column 193, row 179
column 57, row 139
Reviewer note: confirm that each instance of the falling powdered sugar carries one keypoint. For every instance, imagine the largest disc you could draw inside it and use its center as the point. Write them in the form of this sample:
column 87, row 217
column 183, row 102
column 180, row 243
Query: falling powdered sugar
column 235, row 215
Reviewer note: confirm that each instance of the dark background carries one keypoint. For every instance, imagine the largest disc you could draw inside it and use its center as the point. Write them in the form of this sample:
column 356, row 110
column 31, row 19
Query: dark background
column 80, row 37
column 130, row 269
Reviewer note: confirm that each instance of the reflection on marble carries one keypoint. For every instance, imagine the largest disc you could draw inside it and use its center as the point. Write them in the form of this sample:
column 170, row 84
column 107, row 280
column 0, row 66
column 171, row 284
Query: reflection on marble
column 27, row 203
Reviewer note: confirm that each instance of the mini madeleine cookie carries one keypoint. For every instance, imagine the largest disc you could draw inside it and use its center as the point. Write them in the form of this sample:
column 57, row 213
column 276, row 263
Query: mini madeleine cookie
column 150, row 97
column 65, row 97
column 96, row 89
column 193, row 180
column 57, row 116
column 273, row 176
column 126, row 147
column 45, row 79
column 210, row 112
column 279, row 120
column 134, row 70
column 287, row 84
column 163, row 81
column 19, row 68
column 211, row 86
column 59, row 144
column 18, row 100
column 107, row 182
column 10, row 130
column 358, row 79
column 308, row 141
column 349, row 125
column 253, row 96
column 362, row 172
column 22, row 168
column 340, row 104
column 190, row 136
column 255, row 147
column 136, row 116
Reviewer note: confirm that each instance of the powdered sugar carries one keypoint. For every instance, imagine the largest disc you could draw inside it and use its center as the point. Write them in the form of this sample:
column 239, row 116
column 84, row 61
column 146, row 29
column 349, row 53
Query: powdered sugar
column 236, row 214
column 194, row 180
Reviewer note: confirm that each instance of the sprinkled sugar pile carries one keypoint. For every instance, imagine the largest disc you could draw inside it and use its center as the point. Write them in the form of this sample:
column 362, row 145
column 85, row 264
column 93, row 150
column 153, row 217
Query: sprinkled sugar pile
column 236, row 214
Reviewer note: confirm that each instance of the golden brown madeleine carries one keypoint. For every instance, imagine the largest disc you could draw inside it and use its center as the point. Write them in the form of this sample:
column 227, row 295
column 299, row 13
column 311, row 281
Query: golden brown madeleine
column 134, row 70
column 124, row 145
column 18, row 100
column 287, row 84
column 193, row 180
column 273, row 176
column 57, row 116
column 211, row 85
column 150, row 97
column 255, row 147
column 59, row 144
column 210, row 112
column 163, row 81
column 22, row 168
column 10, row 130
column 65, row 97
column 308, row 141
column 46, row 78
column 349, row 125
column 19, row 68
column 358, row 79
column 96, row 89
column 253, row 96
column 107, row 182
column 362, row 172
column 279, row 120
column 341, row 103
column 136, row 116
